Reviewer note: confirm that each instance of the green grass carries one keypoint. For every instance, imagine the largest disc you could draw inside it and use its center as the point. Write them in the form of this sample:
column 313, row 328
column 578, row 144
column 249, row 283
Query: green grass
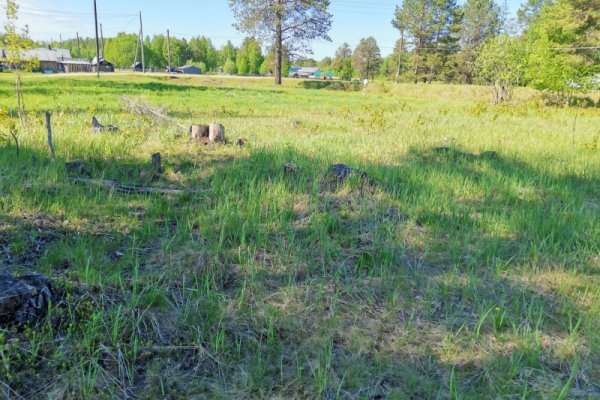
column 454, row 275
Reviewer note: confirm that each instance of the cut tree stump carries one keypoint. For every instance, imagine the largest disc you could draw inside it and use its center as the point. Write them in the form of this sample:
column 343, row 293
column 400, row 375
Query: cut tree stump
column 216, row 133
column 199, row 132
column 98, row 127
column 24, row 299
column 340, row 172
column 74, row 167
column 157, row 162
column 290, row 168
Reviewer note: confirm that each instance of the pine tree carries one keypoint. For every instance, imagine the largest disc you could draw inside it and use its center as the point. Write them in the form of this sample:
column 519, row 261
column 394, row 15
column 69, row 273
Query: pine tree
column 367, row 58
column 283, row 24
column 481, row 22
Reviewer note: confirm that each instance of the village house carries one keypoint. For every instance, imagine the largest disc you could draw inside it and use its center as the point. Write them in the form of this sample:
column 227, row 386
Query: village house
column 105, row 66
column 54, row 60
column 137, row 67
column 76, row 65
column 304, row 72
column 189, row 70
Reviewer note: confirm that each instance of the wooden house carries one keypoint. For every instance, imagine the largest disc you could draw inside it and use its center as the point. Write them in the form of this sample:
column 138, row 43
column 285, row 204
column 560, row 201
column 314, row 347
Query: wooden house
column 189, row 70
column 105, row 66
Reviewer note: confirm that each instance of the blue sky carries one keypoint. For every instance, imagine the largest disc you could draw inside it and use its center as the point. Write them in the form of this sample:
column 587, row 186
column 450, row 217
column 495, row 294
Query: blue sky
column 48, row 19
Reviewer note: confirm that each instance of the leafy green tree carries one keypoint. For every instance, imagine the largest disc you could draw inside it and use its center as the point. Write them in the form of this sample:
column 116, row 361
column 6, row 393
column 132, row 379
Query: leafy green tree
column 121, row 49
column 283, row 24
column 180, row 52
column 389, row 65
column 530, row 11
column 228, row 52
column 342, row 62
column 86, row 48
column 346, row 71
column 17, row 43
column 268, row 66
column 561, row 43
column 482, row 20
column 249, row 57
column 203, row 50
column 501, row 65
column 325, row 64
column 367, row 57
column 230, row 68
column 432, row 26
column 342, row 53
column 158, row 47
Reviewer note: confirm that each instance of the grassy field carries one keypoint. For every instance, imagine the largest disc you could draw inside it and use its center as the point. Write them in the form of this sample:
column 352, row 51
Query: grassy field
column 452, row 274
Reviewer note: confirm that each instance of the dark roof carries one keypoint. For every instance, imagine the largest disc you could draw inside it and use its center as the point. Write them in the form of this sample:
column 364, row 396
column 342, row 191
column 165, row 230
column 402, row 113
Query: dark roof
column 188, row 67
column 102, row 60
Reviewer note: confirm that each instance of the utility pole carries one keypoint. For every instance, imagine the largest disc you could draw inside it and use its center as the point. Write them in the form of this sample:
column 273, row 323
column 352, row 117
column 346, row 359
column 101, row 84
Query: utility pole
column 78, row 46
column 97, row 43
column 61, row 42
column 137, row 45
column 169, row 49
column 142, row 44
column 102, row 37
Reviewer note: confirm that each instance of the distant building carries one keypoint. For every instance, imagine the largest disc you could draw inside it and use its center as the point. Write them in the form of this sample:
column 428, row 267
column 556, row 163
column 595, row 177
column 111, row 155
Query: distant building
column 105, row 66
column 137, row 67
column 75, row 65
column 189, row 70
column 54, row 60
column 304, row 72
column 50, row 59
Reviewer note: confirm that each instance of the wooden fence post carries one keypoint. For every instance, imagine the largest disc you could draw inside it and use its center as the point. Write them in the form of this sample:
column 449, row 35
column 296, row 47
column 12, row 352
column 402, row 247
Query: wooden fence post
column 49, row 126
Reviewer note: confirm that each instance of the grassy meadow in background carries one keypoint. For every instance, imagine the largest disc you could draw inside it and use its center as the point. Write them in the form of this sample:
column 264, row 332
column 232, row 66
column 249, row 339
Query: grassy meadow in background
column 453, row 274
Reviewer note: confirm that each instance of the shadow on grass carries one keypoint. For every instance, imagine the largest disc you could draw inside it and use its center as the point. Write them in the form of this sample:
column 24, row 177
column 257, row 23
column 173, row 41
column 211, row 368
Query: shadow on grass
column 351, row 289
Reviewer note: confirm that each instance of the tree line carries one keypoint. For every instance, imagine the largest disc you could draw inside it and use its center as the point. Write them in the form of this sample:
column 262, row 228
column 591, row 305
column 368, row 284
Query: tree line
column 551, row 45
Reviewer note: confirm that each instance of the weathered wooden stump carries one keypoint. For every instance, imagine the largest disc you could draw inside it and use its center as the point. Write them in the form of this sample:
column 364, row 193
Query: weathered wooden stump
column 198, row 132
column 74, row 167
column 24, row 299
column 216, row 133
column 340, row 172
column 99, row 128
column 157, row 162
column 290, row 168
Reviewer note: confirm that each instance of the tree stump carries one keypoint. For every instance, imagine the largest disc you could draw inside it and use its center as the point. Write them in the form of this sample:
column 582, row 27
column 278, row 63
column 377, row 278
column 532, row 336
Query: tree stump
column 216, row 133
column 340, row 172
column 198, row 132
column 290, row 167
column 24, row 299
column 74, row 167
column 156, row 162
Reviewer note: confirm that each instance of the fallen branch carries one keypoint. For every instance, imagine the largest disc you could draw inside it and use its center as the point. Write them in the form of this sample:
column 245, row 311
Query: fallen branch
column 113, row 185
column 146, row 109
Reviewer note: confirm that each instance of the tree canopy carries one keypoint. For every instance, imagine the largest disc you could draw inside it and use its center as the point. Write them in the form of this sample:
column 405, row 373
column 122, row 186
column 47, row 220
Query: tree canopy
column 286, row 25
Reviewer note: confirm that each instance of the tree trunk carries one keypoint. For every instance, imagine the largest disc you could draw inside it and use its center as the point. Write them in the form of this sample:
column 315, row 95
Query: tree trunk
column 20, row 102
column 278, row 42
column 418, row 58
column 197, row 132
column 216, row 133
column 399, row 70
